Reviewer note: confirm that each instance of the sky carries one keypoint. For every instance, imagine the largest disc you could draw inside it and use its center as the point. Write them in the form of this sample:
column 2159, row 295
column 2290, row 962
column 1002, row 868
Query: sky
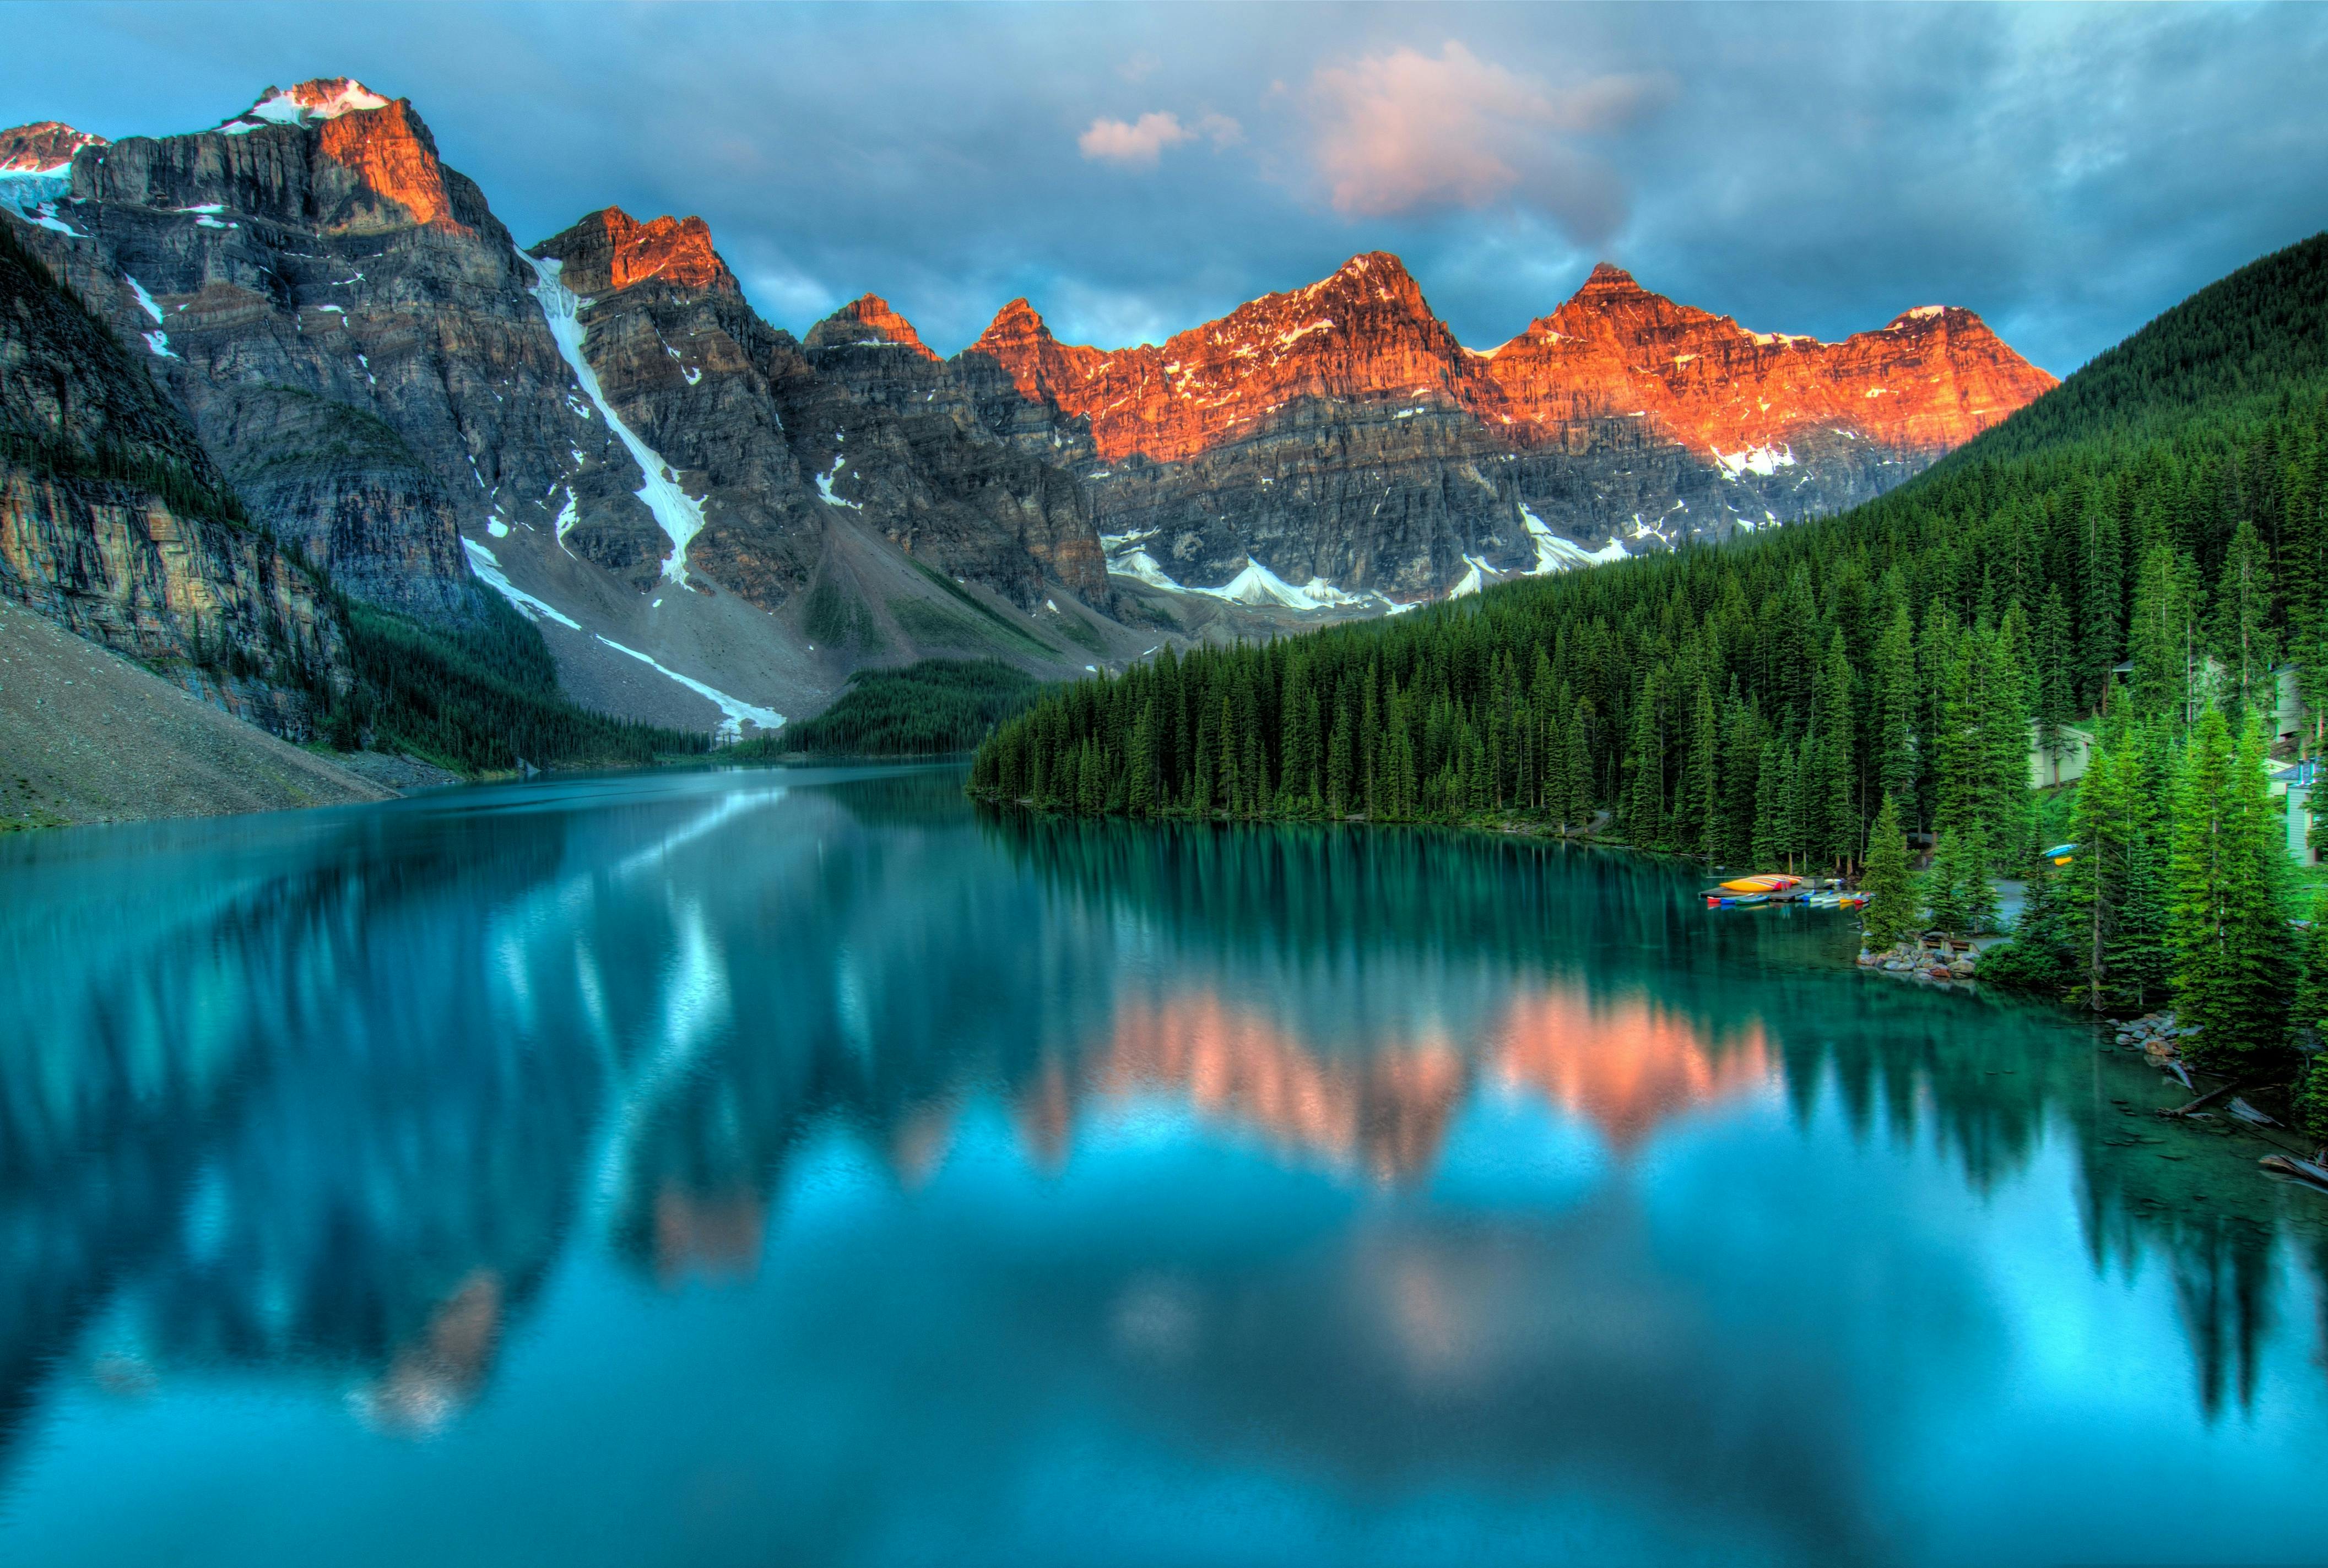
column 1134, row 170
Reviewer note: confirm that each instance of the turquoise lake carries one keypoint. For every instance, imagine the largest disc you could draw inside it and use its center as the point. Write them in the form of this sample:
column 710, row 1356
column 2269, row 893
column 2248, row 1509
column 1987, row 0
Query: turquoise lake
column 797, row 1167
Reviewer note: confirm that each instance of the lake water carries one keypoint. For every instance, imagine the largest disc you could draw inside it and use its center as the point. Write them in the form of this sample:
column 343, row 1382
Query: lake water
column 802, row 1168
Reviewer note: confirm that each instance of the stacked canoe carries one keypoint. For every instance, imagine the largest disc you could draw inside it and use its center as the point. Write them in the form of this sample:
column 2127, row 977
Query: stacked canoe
column 1746, row 890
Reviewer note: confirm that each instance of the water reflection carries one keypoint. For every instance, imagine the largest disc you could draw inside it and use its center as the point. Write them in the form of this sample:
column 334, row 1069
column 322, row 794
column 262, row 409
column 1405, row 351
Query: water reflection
column 1324, row 1150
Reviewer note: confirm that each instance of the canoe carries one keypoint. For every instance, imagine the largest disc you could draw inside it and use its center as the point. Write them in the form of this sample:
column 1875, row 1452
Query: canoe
column 2061, row 854
column 1776, row 882
column 1733, row 900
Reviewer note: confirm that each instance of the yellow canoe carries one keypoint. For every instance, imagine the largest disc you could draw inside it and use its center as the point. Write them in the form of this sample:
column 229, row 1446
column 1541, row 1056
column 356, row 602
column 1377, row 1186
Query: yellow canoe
column 1777, row 882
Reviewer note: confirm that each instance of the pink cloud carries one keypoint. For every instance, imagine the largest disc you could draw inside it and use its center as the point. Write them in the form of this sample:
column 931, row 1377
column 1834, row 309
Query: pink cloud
column 1406, row 132
column 1140, row 143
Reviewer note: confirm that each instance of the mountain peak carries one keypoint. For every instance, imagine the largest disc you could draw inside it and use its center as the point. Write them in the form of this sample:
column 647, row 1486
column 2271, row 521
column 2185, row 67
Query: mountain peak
column 1609, row 278
column 1016, row 319
column 609, row 250
column 1376, row 271
column 1917, row 316
column 311, row 103
column 44, row 146
column 867, row 319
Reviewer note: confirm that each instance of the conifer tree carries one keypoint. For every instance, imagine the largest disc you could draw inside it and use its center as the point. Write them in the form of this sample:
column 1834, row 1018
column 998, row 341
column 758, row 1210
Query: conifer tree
column 2224, row 926
column 1705, row 777
column 2243, row 641
column 2002, row 725
column 1831, row 825
column 2042, row 956
column 2056, row 700
column 1896, row 700
column 1773, row 804
column 1140, row 795
column 1959, row 891
column 1891, row 912
column 1578, row 814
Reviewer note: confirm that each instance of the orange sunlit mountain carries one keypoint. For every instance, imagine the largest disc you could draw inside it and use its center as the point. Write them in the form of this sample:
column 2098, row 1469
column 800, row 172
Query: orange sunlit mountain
column 1931, row 379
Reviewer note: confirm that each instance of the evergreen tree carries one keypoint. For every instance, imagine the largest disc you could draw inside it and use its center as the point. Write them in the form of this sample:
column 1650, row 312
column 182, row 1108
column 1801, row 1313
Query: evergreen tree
column 1896, row 699
column 1580, row 766
column 1891, row 912
column 2244, row 644
column 2042, row 956
column 1959, row 888
column 1773, row 804
column 2056, row 691
column 2224, row 926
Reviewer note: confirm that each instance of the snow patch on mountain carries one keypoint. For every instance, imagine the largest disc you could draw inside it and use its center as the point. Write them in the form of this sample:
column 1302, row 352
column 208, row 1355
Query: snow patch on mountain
column 1763, row 460
column 824, row 486
column 680, row 514
column 309, row 104
column 738, row 711
column 1555, row 554
column 144, row 300
column 1256, row 585
column 487, row 569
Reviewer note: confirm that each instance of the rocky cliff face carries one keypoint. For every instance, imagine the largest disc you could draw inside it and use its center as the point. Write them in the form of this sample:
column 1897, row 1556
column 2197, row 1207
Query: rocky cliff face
column 778, row 443
column 345, row 322
column 1339, row 433
column 1932, row 380
column 114, row 522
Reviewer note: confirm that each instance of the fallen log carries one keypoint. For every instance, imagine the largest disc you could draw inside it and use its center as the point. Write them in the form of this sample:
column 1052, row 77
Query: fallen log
column 2205, row 1100
column 2302, row 1170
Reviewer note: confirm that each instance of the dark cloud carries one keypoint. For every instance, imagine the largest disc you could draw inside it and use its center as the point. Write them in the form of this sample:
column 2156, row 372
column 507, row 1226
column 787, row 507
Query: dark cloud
column 2065, row 172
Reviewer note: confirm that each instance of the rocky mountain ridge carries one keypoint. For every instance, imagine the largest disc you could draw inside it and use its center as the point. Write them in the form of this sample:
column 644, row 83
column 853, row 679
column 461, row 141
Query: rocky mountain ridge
column 1622, row 418
column 713, row 522
column 394, row 386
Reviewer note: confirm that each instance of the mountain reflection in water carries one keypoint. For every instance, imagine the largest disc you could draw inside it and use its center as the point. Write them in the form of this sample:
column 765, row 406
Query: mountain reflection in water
column 1096, row 1193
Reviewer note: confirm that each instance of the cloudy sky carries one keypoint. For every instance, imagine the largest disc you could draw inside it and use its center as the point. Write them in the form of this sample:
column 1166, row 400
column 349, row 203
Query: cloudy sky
column 1133, row 169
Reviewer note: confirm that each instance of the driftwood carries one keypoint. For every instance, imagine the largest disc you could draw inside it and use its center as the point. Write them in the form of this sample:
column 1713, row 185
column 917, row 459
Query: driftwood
column 2208, row 1098
column 2302, row 1170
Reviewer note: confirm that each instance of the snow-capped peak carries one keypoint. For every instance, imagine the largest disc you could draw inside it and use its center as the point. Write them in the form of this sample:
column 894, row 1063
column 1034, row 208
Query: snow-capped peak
column 308, row 104
column 43, row 148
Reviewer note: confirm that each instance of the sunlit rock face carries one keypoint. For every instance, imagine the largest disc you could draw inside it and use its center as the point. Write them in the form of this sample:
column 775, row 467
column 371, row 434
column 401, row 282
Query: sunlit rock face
column 42, row 146
column 610, row 250
column 1340, row 431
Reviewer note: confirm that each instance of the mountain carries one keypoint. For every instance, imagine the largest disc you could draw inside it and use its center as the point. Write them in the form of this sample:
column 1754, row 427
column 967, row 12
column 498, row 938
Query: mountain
column 1339, row 433
column 710, row 523
column 1767, row 704
column 43, row 148
column 428, row 412
column 116, row 524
